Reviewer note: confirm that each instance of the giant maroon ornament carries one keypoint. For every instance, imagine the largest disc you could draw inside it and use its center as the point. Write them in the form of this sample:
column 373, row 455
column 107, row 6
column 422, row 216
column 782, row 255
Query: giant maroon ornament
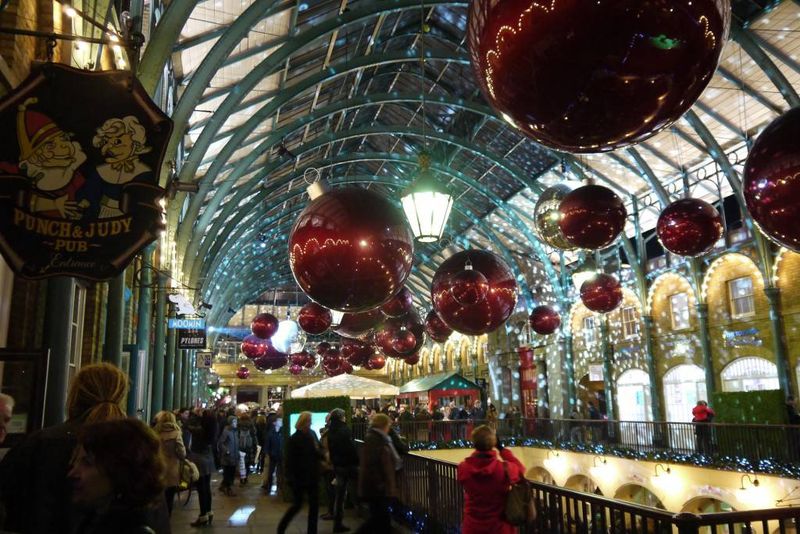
column 376, row 362
column 243, row 372
column 689, row 227
column 489, row 313
column 592, row 217
column 772, row 180
column 602, row 293
column 400, row 304
column 358, row 324
column 314, row 319
column 544, row 320
column 351, row 249
column 435, row 327
column 254, row 347
column 393, row 335
column 264, row 325
column 595, row 76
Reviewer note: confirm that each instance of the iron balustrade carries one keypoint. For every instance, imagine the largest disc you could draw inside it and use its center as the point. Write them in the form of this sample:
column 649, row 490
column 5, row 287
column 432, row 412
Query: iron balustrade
column 748, row 442
column 432, row 495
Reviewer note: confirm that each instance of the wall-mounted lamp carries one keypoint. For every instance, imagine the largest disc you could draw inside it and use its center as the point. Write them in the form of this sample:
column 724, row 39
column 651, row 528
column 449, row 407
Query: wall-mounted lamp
column 666, row 470
column 600, row 470
column 754, row 495
column 665, row 479
column 754, row 483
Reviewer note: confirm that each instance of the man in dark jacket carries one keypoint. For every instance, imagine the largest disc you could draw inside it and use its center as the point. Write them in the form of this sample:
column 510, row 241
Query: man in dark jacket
column 344, row 458
column 377, row 480
column 302, row 473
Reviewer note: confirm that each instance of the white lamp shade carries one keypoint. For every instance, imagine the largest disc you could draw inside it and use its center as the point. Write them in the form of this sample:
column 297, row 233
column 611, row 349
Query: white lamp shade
column 427, row 213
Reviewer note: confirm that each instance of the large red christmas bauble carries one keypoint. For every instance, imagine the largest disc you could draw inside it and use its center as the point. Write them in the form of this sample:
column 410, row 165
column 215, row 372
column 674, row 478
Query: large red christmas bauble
column 356, row 351
column 314, row 319
column 323, row 347
column 351, row 249
column 412, row 359
column 254, row 347
column 346, row 367
column 469, row 286
column 689, row 227
column 601, row 294
column 299, row 358
column 393, row 335
column 592, row 217
column 274, row 359
column 264, row 325
column 489, row 313
column 400, row 304
column 546, row 217
column 435, row 327
column 311, row 361
column 376, row 362
column 243, row 372
column 772, row 180
column 583, row 76
column 295, row 369
column 358, row 324
column 544, row 320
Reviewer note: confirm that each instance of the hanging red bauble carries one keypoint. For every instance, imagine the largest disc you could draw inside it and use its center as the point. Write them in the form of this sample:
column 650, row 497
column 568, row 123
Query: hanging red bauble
column 400, row 304
column 772, row 180
column 358, row 324
column 311, row 361
column 346, row 367
column 274, row 359
column 546, row 216
column 595, row 76
column 376, row 362
column 356, row 351
column 332, row 359
column 689, row 227
column 350, row 249
column 412, row 359
column 295, row 369
column 544, row 320
column 435, row 327
column 243, row 372
column 392, row 335
column 264, row 325
column 254, row 347
column 404, row 341
column 323, row 347
column 592, row 217
column 469, row 287
column 314, row 319
column 486, row 315
column 602, row 293
column 299, row 358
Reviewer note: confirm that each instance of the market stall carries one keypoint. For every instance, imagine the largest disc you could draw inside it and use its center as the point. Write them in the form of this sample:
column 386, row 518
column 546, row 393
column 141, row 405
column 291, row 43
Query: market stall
column 353, row 386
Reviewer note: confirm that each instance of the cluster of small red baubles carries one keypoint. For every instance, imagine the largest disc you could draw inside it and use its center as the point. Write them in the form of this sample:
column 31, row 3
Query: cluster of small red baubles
column 357, row 351
column 435, row 327
column 243, row 372
column 351, row 249
column 771, row 184
column 544, row 320
column 478, row 308
column 601, row 293
column 258, row 347
column 399, row 337
column 591, row 217
column 689, row 227
column 595, row 76
column 314, row 319
column 301, row 360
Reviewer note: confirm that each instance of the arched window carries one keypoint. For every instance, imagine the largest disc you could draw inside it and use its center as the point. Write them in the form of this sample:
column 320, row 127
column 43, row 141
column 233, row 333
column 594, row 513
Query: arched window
column 750, row 374
column 684, row 385
column 633, row 396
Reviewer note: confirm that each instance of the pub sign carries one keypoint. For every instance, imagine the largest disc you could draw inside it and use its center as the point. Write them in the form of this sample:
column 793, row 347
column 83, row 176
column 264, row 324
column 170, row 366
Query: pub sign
column 191, row 338
column 80, row 155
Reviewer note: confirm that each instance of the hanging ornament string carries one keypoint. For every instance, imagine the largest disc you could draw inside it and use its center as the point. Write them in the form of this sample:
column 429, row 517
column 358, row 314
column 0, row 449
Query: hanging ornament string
column 422, row 72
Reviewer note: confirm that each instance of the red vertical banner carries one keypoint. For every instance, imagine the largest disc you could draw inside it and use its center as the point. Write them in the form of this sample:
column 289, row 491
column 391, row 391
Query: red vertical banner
column 527, row 382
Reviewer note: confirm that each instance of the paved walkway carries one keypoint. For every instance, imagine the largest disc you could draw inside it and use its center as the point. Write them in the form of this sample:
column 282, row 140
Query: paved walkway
column 250, row 511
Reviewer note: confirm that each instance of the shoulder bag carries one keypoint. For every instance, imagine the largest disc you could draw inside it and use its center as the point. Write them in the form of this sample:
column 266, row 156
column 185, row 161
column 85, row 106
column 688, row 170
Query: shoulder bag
column 519, row 509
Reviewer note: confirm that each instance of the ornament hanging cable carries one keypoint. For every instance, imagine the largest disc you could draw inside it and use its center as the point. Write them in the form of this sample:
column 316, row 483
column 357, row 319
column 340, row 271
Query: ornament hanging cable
column 422, row 71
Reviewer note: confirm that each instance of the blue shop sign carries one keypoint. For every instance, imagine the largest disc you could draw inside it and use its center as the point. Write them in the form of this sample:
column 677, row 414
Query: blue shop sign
column 194, row 324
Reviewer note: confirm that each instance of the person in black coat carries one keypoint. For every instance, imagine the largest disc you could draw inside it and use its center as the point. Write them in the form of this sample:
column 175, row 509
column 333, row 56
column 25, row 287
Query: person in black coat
column 302, row 473
column 273, row 451
column 344, row 458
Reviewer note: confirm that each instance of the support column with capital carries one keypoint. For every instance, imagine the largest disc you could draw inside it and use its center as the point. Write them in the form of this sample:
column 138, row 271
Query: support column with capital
column 705, row 348
column 652, row 371
column 779, row 340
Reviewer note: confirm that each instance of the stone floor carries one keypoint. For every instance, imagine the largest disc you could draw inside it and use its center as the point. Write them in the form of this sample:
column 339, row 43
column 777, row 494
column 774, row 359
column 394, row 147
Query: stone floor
column 250, row 511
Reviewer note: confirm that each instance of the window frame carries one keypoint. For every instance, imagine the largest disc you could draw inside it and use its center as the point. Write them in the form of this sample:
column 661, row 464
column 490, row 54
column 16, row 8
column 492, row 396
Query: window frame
column 634, row 322
column 672, row 312
column 733, row 299
column 589, row 330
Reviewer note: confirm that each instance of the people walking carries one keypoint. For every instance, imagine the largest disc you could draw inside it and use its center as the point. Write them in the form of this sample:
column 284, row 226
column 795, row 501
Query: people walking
column 228, row 447
column 344, row 458
column 201, row 452
column 377, row 480
column 302, row 473
column 173, row 451
column 486, row 479
column 274, row 452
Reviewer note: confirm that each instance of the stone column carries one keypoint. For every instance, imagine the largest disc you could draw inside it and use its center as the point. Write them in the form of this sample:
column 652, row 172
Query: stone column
column 779, row 340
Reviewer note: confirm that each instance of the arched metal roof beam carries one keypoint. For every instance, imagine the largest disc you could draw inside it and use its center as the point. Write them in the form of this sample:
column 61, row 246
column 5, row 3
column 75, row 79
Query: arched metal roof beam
column 158, row 50
column 742, row 36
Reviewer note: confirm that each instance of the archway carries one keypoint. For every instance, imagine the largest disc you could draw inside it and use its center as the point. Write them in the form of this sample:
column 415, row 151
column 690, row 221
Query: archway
column 540, row 474
column 709, row 505
column 750, row 374
column 590, row 392
column 684, row 385
column 633, row 400
column 582, row 483
column 639, row 495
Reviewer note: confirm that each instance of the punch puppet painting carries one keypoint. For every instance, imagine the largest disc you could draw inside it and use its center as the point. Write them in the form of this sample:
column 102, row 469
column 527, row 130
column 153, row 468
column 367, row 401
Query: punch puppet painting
column 80, row 158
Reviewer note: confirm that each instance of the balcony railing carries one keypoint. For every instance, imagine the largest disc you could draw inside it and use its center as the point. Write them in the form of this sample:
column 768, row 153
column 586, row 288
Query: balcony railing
column 750, row 445
column 433, row 499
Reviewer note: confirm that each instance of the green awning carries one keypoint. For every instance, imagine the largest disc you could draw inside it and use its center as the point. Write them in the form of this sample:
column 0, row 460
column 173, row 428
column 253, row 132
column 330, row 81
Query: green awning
column 438, row 381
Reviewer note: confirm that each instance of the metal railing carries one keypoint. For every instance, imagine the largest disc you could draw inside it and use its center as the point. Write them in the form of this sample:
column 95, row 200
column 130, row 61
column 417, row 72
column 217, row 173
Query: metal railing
column 432, row 495
column 751, row 443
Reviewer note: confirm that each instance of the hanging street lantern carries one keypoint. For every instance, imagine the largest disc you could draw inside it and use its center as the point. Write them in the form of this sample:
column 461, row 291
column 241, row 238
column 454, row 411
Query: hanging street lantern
column 427, row 204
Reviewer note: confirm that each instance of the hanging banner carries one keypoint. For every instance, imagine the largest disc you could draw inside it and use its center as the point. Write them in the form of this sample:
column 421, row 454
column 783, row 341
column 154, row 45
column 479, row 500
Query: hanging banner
column 191, row 338
column 80, row 156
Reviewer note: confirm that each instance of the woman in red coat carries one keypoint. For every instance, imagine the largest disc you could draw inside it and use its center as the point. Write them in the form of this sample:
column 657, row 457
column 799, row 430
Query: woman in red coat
column 485, row 483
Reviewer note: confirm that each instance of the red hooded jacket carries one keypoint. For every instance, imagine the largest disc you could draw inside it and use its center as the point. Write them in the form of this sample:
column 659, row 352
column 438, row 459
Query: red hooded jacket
column 485, row 488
